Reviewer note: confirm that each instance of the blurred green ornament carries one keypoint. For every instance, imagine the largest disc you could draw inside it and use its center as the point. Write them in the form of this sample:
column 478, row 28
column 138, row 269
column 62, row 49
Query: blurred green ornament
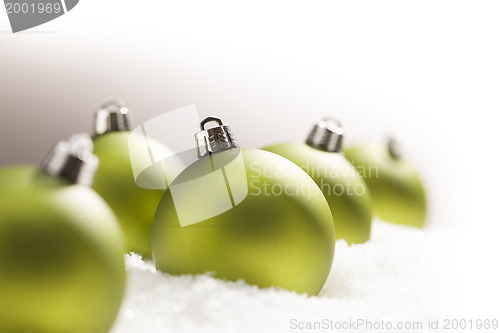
column 61, row 248
column 244, row 214
column 397, row 192
column 344, row 189
column 115, row 180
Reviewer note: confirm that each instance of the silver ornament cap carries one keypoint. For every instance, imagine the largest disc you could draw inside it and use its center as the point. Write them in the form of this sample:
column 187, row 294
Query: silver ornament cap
column 215, row 139
column 394, row 146
column 73, row 160
column 111, row 117
column 326, row 135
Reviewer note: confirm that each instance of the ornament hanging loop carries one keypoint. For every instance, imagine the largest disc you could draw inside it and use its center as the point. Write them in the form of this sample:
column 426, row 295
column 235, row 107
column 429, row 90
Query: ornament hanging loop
column 209, row 120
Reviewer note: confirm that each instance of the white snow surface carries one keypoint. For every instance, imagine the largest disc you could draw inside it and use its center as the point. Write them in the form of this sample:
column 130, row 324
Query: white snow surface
column 401, row 275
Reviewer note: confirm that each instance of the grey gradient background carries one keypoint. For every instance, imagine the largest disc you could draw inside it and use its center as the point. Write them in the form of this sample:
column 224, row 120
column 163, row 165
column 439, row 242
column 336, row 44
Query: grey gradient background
column 430, row 68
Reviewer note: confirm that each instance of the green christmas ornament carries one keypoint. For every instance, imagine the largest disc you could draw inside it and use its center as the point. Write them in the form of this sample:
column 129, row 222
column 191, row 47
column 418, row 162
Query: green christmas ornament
column 115, row 180
column 397, row 192
column 244, row 214
column 61, row 248
column 340, row 182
